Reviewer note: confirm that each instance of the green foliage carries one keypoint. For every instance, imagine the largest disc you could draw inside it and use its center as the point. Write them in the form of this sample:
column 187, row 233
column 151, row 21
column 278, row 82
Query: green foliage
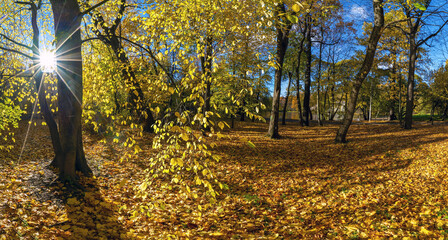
column 9, row 118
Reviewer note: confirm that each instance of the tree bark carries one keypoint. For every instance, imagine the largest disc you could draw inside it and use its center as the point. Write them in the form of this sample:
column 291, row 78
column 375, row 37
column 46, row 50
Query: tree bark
column 307, row 89
column 282, row 45
column 206, row 62
column 38, row 78
column 392, row 90
column 411, row 81
column 319, row 72
column 364, row 71
column 299, row 58
column 286, row 99
column 67, row 21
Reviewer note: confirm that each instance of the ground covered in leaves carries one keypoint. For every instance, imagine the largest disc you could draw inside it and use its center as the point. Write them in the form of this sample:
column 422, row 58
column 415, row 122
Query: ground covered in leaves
column 386, row 182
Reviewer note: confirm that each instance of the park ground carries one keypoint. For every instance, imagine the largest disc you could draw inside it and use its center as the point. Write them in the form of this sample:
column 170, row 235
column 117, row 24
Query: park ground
column 385, row 183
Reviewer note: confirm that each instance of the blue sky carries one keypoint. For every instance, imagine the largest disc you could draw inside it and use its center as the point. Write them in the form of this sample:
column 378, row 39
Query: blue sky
column 360, row 11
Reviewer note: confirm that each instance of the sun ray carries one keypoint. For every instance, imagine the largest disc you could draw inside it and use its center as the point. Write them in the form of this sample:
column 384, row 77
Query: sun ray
column 66, row 39
column 32, row 114
column 59, row 54
column 47, row 61
column 68, row 87
column 68, row 69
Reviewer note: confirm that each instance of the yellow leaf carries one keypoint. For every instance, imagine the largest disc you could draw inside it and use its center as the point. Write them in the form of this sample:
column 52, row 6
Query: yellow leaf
column 173, row 162
column 184, row 137
column 296, row 7
column 217, row 234
column 425, row 231
column 180, row 162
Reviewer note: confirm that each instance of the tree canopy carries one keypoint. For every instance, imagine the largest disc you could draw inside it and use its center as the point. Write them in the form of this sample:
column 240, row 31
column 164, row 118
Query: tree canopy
column 180, row 75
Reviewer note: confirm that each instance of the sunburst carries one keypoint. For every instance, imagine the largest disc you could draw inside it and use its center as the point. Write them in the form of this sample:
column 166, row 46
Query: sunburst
column 47, row 61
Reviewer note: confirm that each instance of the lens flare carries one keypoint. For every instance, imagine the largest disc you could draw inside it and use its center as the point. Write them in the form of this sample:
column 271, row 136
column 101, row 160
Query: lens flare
column 47, row 61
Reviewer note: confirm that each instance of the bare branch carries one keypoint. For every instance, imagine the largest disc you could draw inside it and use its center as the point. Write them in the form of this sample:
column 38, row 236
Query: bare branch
column 432, row 35
column 23, row 3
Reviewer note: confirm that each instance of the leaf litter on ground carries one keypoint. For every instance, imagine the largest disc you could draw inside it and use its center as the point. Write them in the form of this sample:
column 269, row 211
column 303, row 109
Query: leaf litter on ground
column 385, row 183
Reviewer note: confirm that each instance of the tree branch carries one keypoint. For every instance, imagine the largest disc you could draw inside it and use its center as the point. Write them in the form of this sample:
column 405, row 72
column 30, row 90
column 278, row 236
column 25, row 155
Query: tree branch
column 93, row 7
column 153, row 57
column 23, row 3
column 15, row 42
column 16, row 51
column 421, row 42
column 90, row 39
column 117, row 20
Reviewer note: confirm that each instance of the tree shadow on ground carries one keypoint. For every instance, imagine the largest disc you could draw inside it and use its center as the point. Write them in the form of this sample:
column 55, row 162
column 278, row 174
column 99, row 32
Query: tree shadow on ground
column 88, row 215
column 318, row 186
column 311, row 152
column 314, row 147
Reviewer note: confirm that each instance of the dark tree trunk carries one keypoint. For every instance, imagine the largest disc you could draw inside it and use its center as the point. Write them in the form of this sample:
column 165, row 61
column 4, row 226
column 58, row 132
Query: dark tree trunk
column 206, row 62
column 392, row 89
column 38, row 78
column 299, row 58
column 365, row 113
column 67, row 21
column 414, row 21
column 364, row 71
column 242, row 113
column 319, row 72
column 411, row 82
column 431, row 118
column 286, row 99
column 282, row 45
column 135, row 94
column 392, row 115
column 445, row 112
column 307, row 89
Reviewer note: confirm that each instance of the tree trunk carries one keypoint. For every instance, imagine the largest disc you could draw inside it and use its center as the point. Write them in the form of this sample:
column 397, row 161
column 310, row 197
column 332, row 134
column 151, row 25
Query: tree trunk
column 206, row 63
column 319, row 122
column 411, row 82
column 286, row 99
column 67, row 22
column 431, row 118
column 400, row 109
column 38, row 78
column 299, row 58
column 135, row 94
column 282, row 45
column 392, row 90
column 445, row 112
column 370, row 103
column 307, row 90
column 364, row 71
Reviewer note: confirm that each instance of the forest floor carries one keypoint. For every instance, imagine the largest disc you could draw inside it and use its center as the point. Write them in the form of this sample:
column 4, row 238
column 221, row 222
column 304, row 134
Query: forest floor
column 385, row 183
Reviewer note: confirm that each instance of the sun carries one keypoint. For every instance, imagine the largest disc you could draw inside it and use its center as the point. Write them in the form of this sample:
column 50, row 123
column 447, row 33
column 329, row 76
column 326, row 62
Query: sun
column 47, row 61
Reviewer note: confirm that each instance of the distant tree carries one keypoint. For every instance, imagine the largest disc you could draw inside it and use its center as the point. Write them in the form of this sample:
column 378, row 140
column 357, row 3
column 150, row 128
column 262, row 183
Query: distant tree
column 417, row 15
column 283, row 26
column 363, row 71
